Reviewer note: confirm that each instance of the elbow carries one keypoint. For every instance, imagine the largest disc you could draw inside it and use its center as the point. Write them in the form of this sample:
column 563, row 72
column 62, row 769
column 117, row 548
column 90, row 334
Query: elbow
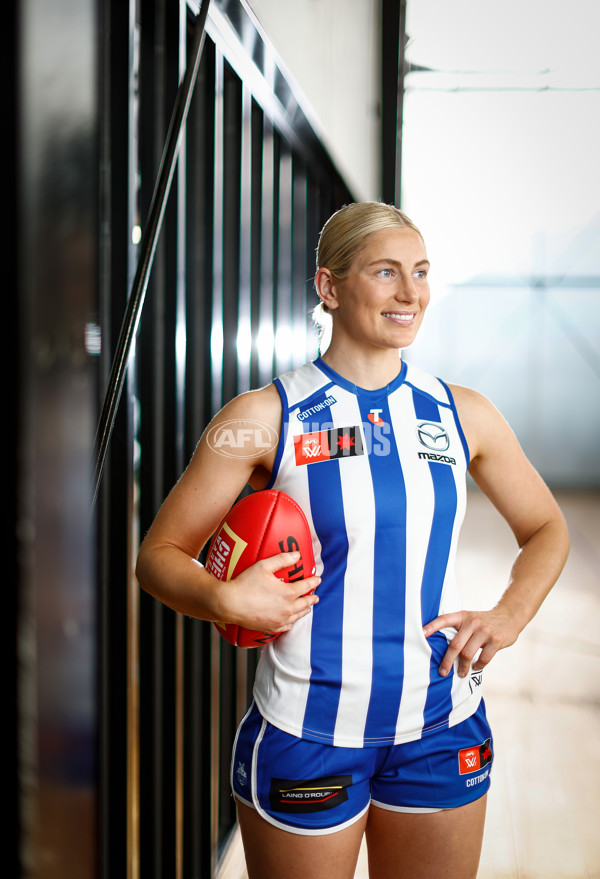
column 566, row 539
column 560, row 540
column 141, row 569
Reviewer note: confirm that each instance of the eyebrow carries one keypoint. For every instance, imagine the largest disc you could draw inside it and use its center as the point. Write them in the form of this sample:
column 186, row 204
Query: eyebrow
column 395, row 262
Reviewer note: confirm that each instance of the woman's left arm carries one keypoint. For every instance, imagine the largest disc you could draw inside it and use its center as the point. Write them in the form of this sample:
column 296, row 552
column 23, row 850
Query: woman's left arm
column 503, row 472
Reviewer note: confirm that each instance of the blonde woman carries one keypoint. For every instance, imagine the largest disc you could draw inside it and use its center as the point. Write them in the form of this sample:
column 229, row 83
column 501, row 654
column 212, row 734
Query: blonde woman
column 367, row 716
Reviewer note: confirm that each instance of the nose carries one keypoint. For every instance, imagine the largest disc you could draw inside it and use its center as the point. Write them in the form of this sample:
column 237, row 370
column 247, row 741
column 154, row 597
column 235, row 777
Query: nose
column 406, row 290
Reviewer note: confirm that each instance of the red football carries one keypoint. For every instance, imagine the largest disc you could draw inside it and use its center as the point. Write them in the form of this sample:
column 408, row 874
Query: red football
column 257, row 527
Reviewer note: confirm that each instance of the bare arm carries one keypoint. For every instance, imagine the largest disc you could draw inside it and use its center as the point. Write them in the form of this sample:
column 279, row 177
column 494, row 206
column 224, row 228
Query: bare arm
column 168, row 566
column 502, row 471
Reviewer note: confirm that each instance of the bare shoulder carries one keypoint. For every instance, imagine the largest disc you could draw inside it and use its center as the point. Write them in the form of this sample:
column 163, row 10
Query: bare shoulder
column 263, row 403
column 500, row 467
column 237, row 447
column 245, row 431
column 246, row 424
column 483, row 424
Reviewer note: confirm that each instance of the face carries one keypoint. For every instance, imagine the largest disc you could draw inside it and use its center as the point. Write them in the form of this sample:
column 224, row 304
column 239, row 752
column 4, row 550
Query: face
column 382, row 301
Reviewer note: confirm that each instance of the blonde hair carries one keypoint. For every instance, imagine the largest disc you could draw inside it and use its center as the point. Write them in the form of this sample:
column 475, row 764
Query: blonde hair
column 344, row 235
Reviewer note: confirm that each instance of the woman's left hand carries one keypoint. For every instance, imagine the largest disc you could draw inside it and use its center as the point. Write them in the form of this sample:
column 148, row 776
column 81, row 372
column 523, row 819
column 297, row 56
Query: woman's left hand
column 486, row 631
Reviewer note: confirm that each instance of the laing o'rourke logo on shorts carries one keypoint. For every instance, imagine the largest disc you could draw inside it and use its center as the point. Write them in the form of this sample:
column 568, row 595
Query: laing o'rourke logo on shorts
column 308, row 795
column 242, row 438
column 474, row 759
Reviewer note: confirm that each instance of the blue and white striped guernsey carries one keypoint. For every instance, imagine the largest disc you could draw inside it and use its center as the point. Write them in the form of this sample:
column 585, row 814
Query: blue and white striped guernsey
column 381, row 477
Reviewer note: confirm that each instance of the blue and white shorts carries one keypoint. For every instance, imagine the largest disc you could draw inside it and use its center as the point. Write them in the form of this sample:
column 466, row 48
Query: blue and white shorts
column 310, row 788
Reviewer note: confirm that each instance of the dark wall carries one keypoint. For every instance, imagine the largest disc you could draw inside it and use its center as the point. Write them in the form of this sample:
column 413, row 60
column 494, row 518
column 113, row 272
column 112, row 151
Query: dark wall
column 52, row 332
column 236, row 250
column 125, row 712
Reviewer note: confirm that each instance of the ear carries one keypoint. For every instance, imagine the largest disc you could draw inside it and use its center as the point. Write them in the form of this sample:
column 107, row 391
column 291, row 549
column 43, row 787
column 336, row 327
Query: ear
column 326, row 287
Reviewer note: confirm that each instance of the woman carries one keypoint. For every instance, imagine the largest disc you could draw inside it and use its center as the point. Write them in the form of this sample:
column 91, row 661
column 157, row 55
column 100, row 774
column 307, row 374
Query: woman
column 367, row 715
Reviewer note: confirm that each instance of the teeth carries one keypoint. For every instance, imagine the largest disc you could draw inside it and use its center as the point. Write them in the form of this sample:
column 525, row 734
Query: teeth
column 405, row 318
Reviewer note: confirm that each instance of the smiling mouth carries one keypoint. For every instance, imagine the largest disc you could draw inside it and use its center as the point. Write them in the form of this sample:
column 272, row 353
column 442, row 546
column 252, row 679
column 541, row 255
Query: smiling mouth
column 401, row 318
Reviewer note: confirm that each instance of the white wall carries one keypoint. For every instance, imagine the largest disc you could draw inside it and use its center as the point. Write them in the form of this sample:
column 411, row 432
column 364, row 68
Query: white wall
column 331, row 49
column 500, row 171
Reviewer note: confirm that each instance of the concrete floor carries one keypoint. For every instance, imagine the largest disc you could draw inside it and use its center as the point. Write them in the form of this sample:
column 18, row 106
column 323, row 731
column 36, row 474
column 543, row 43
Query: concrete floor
column 543, row 703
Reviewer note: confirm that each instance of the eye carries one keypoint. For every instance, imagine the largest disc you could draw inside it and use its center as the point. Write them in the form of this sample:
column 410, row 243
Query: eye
column 421, row 274
column 385, row 273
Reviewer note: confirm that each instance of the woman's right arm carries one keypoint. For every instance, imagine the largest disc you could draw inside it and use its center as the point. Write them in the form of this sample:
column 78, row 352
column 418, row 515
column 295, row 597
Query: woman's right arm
column 168, row 566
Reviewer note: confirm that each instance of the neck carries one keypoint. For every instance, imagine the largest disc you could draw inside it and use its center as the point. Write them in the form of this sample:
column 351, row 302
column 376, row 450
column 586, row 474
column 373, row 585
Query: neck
column 369, row 371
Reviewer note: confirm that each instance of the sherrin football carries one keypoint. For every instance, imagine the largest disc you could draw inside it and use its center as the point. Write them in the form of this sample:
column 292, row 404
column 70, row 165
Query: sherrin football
column 257, row 527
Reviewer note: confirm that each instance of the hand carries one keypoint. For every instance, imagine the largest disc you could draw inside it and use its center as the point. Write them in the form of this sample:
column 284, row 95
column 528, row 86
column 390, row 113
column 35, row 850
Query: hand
column 259, row 600
column 488, row 631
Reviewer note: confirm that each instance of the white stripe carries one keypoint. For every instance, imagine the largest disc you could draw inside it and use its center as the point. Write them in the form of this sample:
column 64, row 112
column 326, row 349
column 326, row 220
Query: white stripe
column 451, row 600
column 425, row 382
column 357, row 653
column 419, row 497
column 417, row 810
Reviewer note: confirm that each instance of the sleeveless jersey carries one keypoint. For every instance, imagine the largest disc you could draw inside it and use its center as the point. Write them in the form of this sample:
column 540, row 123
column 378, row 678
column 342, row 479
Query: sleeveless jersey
column 380, row 475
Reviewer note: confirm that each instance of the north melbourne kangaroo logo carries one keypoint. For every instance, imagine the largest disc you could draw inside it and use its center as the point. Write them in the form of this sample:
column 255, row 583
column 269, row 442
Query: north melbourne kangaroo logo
column 433, row 436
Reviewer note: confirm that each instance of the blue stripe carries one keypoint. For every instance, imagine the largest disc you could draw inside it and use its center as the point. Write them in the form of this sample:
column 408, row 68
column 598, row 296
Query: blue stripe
column 314, row 396
column 389, row 575
column 327, row 510
column 439, row 701
column 461, row 434
column 285, row 427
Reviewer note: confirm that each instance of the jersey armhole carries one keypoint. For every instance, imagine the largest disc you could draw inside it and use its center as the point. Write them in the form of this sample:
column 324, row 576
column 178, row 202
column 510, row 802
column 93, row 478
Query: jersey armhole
column 461, row 433
column 284, row 429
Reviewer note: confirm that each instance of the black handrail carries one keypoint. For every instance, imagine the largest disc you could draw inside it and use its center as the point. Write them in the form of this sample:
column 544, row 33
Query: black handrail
column 148, row 247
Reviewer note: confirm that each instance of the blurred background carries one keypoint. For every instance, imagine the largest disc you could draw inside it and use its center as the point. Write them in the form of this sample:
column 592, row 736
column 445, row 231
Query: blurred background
column 172, row 163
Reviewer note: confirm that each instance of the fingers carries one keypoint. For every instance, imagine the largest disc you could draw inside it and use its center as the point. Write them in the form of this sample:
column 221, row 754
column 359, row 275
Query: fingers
column 463, row 647
column 445, row 621
column 304, row 606
column 281, row 561
column 477, row 640
column 263, row 598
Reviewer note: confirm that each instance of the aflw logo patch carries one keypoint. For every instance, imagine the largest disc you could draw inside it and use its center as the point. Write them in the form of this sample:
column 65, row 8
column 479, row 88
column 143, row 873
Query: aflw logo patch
column 473, row 759
column 327, row 445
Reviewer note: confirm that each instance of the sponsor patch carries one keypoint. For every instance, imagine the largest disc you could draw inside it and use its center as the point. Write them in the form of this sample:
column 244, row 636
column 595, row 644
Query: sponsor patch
column 475, row 680
column 225, row 553
column 430, row 456
column 328, row 445
column 374, row 417
column 474, row 759
column 318, row 406
column 433, row 435
column 242, row 775
column 308, row 795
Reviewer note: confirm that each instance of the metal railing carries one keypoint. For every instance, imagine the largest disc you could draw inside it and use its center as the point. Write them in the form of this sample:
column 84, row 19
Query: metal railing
column 226, row 262
column 149, row 242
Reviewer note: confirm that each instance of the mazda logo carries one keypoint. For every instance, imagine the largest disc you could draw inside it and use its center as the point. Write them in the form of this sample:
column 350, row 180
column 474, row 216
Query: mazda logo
column 433, row 436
